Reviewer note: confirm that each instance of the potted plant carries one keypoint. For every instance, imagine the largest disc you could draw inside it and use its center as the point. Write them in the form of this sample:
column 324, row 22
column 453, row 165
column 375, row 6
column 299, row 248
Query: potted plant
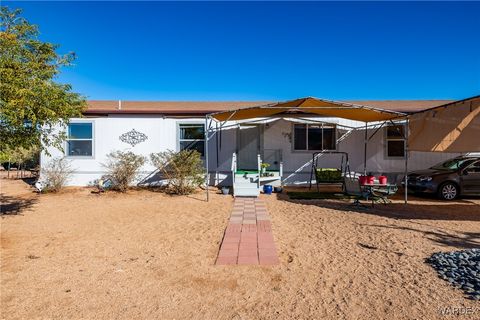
column 370, row 178
column 263, row 168
column 225, row 190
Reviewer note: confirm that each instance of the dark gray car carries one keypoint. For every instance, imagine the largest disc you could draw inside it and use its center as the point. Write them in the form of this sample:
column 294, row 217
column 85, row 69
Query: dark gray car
column 455, row 177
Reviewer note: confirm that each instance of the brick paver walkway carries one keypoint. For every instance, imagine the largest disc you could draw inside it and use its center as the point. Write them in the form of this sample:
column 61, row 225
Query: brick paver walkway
column 248, row 238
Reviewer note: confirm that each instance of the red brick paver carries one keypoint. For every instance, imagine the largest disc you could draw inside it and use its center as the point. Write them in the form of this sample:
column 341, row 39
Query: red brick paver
column 248, row 238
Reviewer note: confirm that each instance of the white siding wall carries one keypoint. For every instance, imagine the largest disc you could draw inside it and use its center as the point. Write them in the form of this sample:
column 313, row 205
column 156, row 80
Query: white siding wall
column 162, row 135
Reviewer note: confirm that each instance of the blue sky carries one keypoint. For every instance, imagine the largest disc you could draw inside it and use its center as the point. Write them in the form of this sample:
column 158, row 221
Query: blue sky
column 265, row 50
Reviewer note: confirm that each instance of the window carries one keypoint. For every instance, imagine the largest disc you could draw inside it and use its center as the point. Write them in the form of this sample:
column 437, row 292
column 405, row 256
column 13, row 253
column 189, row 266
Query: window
column 475, row 168
column 395, row 141
column 80, row 139
column 192, row 137
column 453, row 164
column 314, row 137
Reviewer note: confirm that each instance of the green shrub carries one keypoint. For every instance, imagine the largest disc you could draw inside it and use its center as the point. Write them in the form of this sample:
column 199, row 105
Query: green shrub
column 123, row 167
column 183, row 170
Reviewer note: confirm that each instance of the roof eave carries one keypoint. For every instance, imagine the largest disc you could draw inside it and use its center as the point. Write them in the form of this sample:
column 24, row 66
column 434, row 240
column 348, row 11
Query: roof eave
column 159, row 112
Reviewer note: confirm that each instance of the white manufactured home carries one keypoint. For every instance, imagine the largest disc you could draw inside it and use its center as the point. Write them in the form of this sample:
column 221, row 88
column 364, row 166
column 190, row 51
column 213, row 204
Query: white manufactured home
column 286, row 141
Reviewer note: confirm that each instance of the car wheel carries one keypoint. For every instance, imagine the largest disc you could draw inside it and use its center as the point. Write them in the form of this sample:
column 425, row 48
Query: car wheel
column 448, row 191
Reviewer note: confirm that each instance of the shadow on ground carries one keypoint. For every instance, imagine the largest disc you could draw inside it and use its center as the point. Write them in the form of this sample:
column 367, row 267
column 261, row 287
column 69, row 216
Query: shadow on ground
column 14, row 206
column 465, row 240
column 416, row 209
column 419, row 211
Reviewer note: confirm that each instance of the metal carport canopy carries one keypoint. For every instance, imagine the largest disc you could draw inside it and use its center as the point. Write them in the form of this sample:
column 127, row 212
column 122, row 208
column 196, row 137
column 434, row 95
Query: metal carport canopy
column 310, row 107
column 313, row 107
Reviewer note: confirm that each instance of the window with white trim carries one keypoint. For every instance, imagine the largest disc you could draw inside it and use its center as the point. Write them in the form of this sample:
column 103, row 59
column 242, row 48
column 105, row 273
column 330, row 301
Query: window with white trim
column 314, row 137
column 191, row 136
column 80, row 139
column 395, row 141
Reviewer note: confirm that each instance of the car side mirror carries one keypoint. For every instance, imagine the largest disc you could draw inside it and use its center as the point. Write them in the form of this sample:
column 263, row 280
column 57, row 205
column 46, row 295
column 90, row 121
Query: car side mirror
column 465, row 172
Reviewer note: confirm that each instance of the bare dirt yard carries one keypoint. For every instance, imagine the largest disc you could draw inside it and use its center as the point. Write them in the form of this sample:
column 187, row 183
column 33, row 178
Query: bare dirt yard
column 146, row 255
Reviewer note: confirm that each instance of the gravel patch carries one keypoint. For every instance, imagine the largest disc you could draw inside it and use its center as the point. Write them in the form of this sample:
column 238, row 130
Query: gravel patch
column 460, row 268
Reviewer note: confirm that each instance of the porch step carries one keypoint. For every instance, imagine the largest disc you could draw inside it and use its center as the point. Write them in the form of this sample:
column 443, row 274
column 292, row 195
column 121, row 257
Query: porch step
column 240, row 191
column 246, row 176
column 246, row 182
column 246, row 179
column 246, row 185
column 274, row 178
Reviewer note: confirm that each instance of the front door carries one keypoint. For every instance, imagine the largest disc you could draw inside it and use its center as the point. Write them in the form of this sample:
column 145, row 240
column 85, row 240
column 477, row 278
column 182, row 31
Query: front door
column 471, row 179
column 248, row 147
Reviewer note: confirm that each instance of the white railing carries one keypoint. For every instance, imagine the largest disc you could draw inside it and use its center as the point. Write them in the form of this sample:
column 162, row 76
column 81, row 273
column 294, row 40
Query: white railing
column 259, row 165
column 234, row 169
column 234, row 162
column 281, row 172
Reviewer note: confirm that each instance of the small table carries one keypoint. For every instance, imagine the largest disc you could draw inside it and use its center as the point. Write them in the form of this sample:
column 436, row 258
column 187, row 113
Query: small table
column 380, row 185
column 385, row 190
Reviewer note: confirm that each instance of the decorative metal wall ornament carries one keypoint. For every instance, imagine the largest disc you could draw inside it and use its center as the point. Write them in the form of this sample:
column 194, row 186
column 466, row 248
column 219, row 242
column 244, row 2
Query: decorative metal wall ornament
column 133, row 137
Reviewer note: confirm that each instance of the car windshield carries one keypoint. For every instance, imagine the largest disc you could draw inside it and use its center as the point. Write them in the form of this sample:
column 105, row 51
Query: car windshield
column 452, row 164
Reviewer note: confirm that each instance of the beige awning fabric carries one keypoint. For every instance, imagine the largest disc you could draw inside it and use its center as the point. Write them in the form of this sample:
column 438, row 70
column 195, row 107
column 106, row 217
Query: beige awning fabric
column 454, row 127
column 310, row 106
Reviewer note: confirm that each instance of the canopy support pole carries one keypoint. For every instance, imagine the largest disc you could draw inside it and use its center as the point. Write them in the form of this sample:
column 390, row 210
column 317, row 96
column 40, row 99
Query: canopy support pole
column 206, row 157
column 406, row 161
column 217, row 177
column 365, row 152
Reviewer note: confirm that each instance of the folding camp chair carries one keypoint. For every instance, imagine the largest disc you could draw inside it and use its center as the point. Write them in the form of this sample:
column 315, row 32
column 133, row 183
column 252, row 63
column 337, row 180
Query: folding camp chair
column 353, row 188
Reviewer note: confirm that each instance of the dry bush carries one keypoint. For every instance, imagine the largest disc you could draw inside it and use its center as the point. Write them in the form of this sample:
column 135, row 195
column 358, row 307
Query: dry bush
column 183, row 170
column 122, row 168
column 55, row 174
